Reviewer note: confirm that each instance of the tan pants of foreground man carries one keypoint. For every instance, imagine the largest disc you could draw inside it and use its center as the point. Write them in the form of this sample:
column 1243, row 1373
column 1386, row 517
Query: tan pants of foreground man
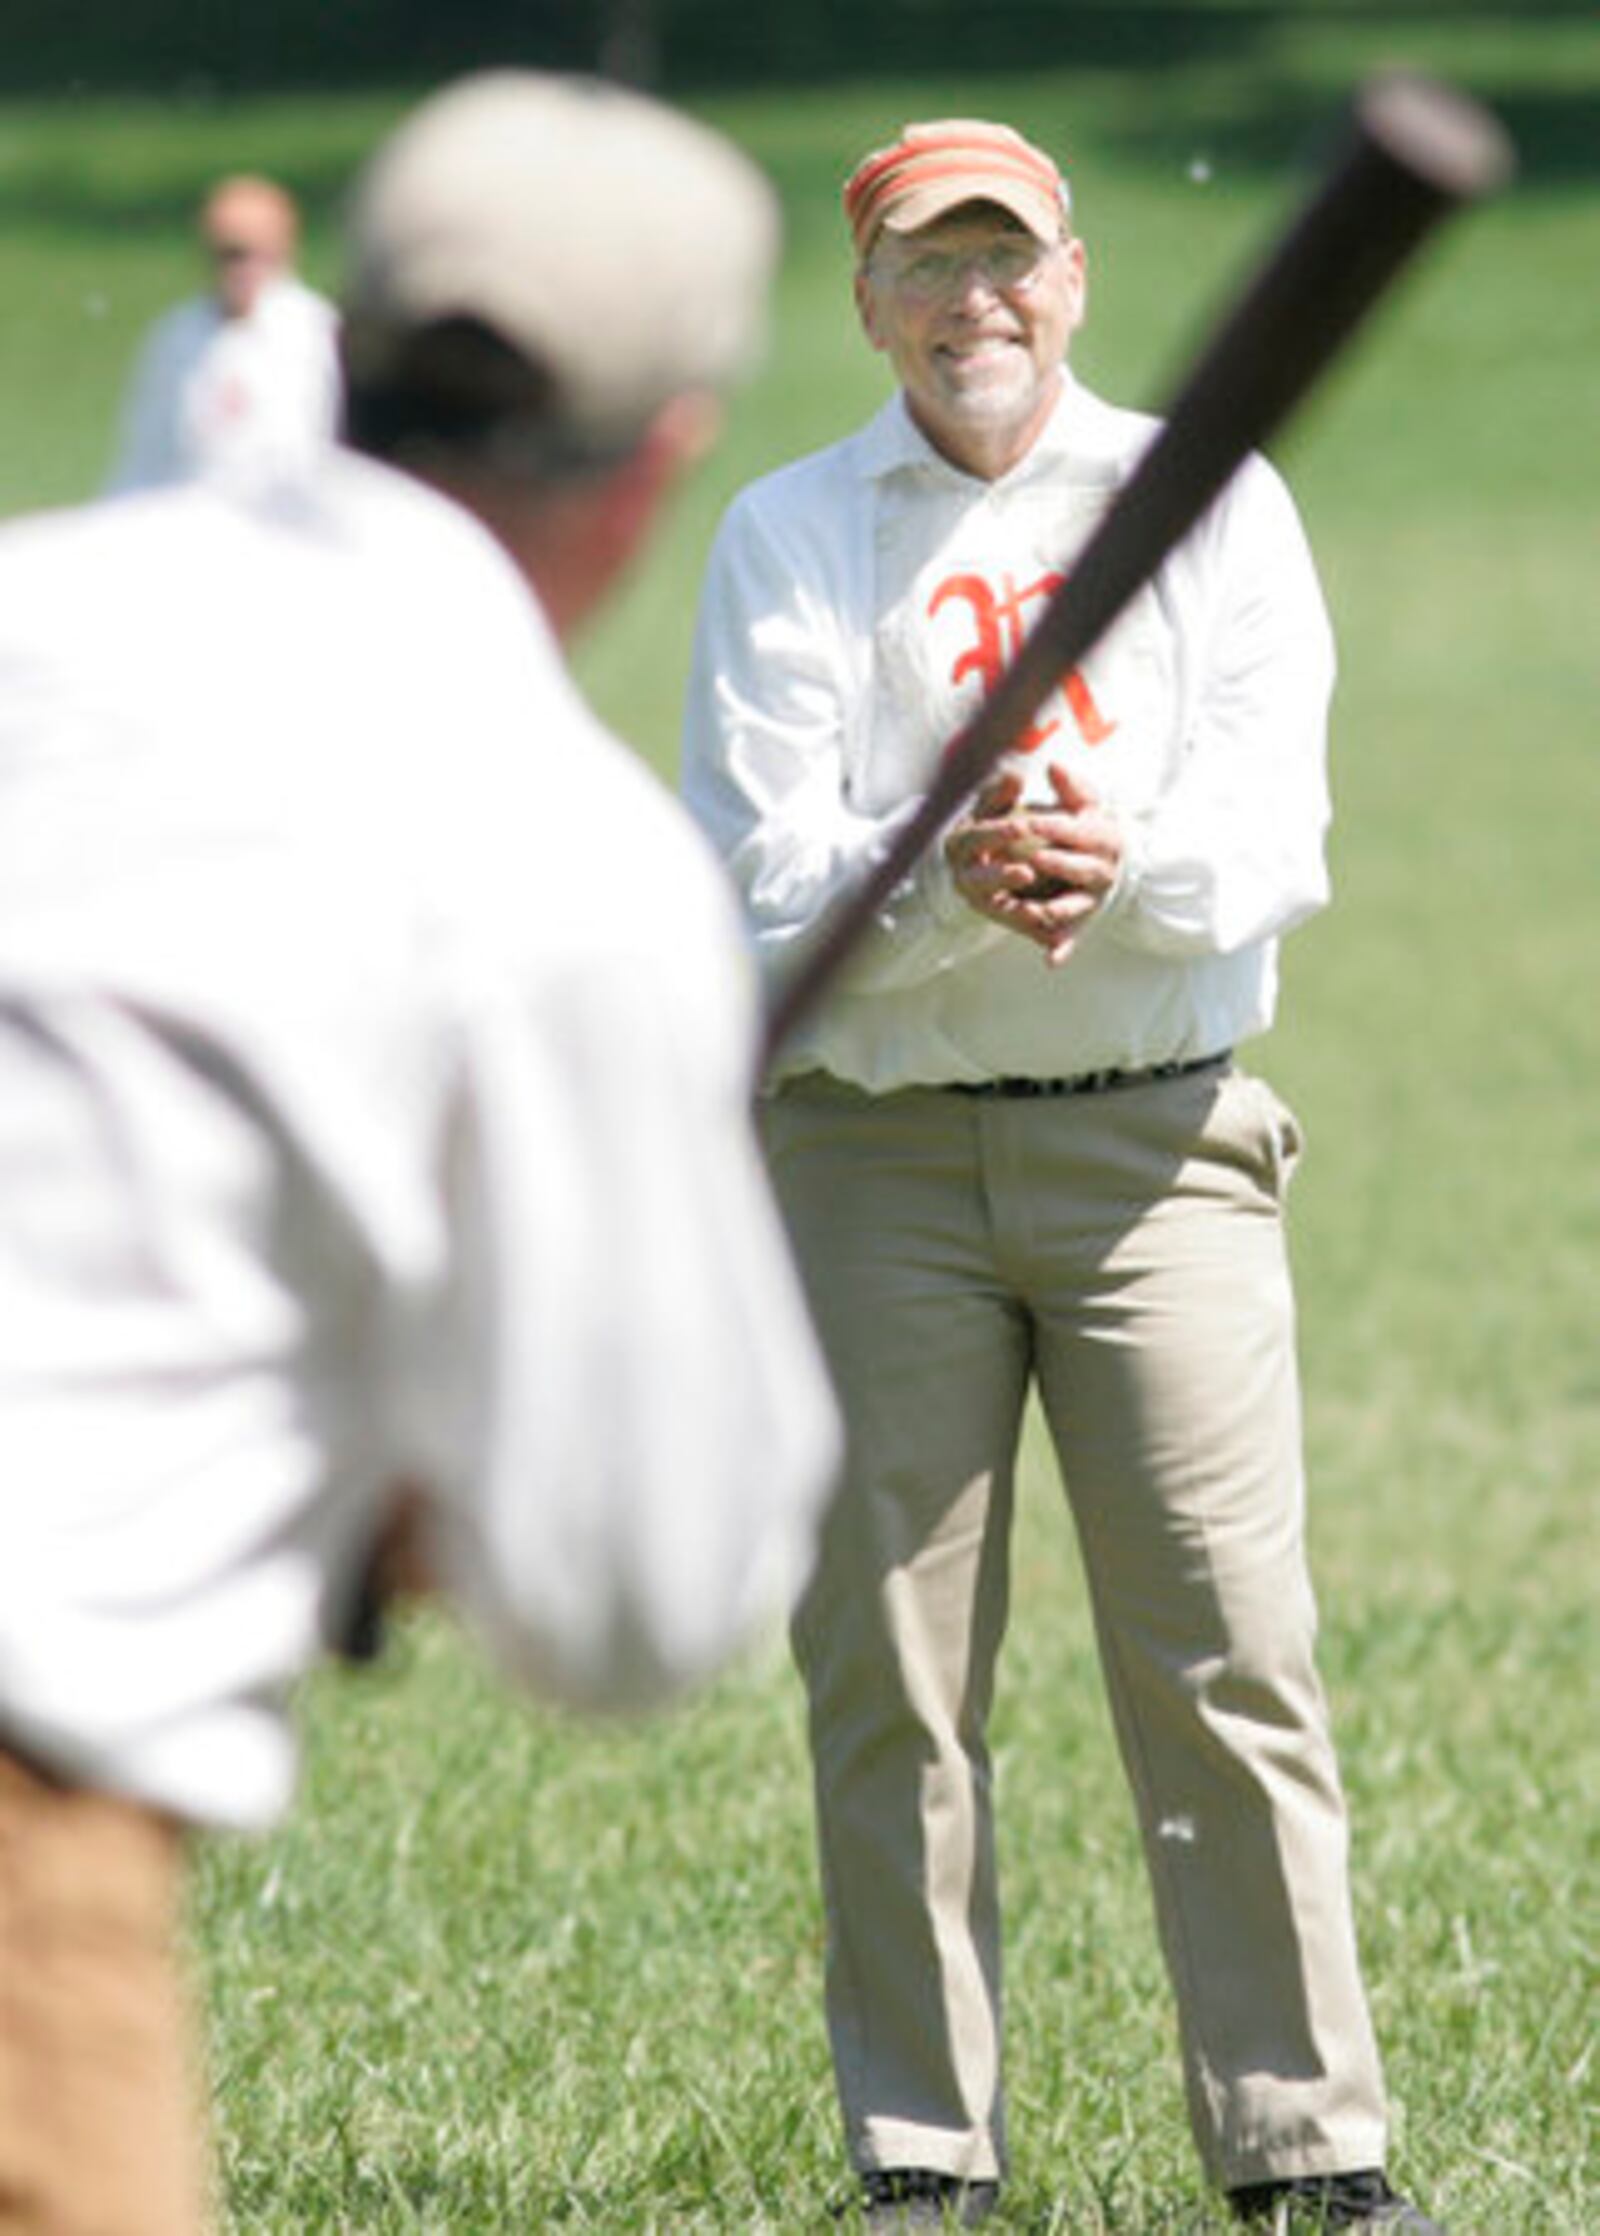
column 100, row 2124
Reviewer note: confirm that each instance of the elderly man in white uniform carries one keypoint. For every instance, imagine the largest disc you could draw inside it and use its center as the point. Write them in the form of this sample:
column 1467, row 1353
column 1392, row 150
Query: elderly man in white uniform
column 356, row 1149
column 1016, row 1151
column 245, row 378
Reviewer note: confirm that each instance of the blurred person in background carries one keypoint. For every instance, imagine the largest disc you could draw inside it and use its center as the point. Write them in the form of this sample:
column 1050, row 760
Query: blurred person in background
column 244, row 378
column 367, row 1173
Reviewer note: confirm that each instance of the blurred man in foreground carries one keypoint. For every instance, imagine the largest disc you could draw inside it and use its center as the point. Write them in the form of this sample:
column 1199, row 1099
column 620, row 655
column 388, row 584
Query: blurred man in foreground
column 352, row 1135
column 244, row 378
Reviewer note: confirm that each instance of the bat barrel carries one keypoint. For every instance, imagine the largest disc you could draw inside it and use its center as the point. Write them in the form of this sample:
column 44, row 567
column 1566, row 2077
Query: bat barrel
column 1435, row 135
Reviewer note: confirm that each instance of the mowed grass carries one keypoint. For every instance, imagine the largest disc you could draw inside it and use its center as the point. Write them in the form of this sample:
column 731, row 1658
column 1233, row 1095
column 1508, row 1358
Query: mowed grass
column 503, row 1971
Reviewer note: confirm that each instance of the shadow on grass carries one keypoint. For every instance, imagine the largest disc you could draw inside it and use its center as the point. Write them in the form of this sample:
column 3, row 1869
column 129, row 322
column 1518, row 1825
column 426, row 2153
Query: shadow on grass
column 53, row 195
column 1224, row 66
column 1259, row 124
column 156, row 45
column 1212, row 77
column 414, row 2192
column 1259, row 129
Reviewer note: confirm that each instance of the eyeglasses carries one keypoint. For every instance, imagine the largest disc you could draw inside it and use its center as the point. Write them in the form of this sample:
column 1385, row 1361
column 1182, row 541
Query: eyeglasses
column 1008, row 267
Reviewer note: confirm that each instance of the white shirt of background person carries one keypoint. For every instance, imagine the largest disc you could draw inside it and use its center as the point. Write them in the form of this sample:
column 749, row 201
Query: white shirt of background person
column 243, row 380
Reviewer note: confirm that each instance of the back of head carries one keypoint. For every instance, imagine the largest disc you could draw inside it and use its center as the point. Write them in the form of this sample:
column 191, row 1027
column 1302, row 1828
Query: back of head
column 537, row 265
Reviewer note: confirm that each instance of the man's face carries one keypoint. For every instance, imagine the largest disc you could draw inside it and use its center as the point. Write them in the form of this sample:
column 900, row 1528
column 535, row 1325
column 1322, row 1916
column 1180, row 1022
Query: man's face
column 248, row 237
column 975, row 314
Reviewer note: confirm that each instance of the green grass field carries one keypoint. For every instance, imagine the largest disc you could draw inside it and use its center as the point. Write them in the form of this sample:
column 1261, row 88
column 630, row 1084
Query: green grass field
column 502, row 1972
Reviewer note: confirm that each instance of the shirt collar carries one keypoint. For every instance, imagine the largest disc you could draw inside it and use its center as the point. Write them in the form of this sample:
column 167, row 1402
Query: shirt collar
column 1075, row 439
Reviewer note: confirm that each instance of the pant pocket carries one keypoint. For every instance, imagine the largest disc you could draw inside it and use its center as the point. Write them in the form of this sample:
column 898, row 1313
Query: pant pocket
column 1252, row 1127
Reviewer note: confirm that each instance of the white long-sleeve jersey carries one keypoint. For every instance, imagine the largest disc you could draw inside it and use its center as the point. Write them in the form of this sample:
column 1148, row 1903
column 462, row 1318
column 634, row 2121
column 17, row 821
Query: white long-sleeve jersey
column 352, row 1134
column 254, row 396
column 857, row 606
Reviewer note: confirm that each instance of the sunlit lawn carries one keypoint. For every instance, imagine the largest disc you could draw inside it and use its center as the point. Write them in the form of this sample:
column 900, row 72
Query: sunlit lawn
column 502, row 1972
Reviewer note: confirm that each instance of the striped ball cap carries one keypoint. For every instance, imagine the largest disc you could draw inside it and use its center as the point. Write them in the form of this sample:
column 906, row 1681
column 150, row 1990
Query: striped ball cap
column 934, row 167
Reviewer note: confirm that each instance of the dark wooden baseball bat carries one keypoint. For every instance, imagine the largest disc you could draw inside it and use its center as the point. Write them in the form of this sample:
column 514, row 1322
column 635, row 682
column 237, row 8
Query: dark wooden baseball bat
column 1413, row 153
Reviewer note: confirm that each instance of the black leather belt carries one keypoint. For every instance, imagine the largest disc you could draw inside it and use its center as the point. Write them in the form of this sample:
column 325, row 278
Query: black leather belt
column 1088, row 1082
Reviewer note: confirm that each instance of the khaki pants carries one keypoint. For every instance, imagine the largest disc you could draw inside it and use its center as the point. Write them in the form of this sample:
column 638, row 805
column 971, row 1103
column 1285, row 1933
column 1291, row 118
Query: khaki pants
column 1123, row 1252
column 99, row 2122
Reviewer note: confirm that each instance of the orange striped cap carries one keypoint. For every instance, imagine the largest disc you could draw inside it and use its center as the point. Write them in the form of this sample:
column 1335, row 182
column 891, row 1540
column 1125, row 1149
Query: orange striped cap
column 932, row 168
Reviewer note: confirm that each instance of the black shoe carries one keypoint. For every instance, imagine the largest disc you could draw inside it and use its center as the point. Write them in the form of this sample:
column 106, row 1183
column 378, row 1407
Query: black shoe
column 894, row 2197
column 1312, row 2203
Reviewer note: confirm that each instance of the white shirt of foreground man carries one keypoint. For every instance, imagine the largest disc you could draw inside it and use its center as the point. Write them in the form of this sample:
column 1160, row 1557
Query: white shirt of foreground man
column 346, row 1139
column 344, row 1142
column 368, row 1176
